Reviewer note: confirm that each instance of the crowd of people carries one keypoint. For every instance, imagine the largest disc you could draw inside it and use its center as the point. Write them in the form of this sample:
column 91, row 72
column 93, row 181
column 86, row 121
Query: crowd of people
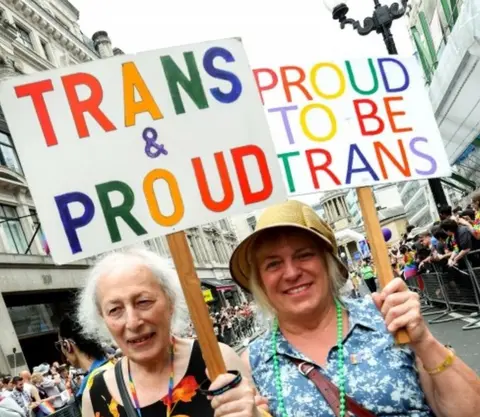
column 441, row 248
column 233, row 325
column 48, row 389
column 322, row 353
column 51, row 388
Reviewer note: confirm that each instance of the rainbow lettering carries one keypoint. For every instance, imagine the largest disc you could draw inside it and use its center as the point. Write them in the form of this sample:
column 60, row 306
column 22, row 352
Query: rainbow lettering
column 351, row 123
column 138, row 146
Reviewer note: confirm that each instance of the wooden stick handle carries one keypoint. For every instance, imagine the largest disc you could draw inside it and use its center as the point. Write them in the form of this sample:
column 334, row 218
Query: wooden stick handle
column 378, row 246
column 182, row 258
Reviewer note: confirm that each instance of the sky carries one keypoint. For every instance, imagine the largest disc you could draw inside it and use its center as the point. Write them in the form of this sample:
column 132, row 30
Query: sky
column 274, row 32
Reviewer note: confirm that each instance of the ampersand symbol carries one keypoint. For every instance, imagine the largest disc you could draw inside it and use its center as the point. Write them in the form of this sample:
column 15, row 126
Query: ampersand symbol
column 152, row 148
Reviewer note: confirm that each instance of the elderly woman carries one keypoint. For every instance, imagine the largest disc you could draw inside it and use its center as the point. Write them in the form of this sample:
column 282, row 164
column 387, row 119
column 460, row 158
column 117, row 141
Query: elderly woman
column 135, row 297
column 326, row 356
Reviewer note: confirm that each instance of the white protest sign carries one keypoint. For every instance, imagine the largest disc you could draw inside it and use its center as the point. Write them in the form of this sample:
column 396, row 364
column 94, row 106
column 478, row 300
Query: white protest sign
column 125, row 149
column 355, row 123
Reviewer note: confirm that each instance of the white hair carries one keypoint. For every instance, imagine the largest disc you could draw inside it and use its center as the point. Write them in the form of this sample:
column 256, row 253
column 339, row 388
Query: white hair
column 333, row 272
column 88, row 309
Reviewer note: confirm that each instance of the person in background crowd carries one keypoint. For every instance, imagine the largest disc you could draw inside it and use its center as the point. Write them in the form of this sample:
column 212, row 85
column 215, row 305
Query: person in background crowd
column 368, row 275
column 65, row 384
column 21, row 397
column 445, row 212
column 471, row 219
column 459, row 241
column 54, row 368
column 7, row 386
column 442, row 252
column 395, row 257
column 410, row 268
column 49, row 385
column 9, row 407
column 29, row 387
column 456, row 212
column 81, row 352
column 425, row 250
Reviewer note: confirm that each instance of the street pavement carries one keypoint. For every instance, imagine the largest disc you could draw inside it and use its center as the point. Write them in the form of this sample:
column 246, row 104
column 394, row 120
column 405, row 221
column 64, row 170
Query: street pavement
column 465, row 342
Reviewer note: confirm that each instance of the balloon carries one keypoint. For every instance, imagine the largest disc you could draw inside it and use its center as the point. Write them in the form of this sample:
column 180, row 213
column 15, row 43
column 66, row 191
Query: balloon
column 387, row 233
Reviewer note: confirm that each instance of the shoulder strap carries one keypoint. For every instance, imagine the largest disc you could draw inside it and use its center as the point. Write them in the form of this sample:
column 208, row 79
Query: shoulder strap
column 122, row 389
column 330, row 391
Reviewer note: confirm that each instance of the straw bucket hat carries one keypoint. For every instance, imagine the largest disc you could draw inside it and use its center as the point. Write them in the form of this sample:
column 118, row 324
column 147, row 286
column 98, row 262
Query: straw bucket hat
column 291, row 213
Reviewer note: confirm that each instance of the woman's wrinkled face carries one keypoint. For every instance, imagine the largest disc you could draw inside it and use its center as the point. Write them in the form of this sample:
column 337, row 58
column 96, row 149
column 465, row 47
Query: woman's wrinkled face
column 293, row 273
column 136, row 312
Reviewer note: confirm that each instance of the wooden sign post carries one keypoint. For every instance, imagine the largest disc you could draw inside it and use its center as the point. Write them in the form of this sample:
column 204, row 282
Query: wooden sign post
column 182, row 258
column 377, row 245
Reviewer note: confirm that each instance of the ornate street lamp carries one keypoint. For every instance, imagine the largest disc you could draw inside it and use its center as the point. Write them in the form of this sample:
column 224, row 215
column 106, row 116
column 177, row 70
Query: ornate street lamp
column 381, row 22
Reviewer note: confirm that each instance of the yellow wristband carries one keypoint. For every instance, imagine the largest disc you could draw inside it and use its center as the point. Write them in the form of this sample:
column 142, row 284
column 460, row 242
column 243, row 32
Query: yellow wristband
column 444, row 365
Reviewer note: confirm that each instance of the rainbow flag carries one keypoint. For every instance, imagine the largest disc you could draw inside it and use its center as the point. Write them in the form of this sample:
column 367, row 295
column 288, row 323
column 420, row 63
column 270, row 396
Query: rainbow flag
column 410, row 269
column 46, row 408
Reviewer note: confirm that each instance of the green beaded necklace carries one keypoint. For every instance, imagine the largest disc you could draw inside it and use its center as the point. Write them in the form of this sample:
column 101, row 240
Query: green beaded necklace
column 340, row 366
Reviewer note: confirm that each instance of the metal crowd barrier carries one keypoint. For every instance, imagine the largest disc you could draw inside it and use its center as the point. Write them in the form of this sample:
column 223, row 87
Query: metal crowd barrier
column 70, row 410
column 447, row 291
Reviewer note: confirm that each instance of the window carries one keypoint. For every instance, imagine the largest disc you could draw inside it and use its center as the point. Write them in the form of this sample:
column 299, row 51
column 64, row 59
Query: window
column 8, row 155
column 410, row 192
column 11, row 230
column 33, row 319
column 424, row 219
column 193, row 250
column 252, row 222
column 24, row 37
column 40, row 235
column 224, row 225
column 45, row 50
column 417, row 205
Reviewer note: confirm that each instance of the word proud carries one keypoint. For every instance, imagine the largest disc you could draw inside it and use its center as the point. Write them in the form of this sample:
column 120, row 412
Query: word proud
column 124, row 211
column 354, row 123
column 140, row 146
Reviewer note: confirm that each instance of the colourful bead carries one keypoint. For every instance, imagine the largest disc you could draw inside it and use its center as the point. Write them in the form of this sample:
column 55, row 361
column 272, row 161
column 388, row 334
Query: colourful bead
column 340, row 365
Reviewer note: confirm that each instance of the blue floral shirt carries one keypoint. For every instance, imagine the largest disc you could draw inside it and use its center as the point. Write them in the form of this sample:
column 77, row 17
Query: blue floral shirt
column 380, row 375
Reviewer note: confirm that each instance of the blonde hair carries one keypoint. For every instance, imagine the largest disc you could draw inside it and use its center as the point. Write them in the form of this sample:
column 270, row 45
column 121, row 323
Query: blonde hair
column 333, row 272
column 37, row 378
column 88, row 310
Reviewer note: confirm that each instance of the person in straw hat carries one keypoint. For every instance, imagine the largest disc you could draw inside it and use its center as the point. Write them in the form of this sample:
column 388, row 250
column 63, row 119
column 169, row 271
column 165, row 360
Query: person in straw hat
column 327, row 356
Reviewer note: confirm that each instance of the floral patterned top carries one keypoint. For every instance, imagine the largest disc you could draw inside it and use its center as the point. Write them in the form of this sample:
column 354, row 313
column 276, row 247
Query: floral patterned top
column 380, row 375
column 187, row 401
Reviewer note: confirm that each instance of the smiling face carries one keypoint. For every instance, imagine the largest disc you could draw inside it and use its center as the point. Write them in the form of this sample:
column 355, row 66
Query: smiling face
column 136, row 312
column 293, row 273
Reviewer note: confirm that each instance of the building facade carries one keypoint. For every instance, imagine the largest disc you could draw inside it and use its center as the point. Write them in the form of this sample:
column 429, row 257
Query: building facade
column 333, row 204
column 386, row 196
column 37, row 35
column 446, row 36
